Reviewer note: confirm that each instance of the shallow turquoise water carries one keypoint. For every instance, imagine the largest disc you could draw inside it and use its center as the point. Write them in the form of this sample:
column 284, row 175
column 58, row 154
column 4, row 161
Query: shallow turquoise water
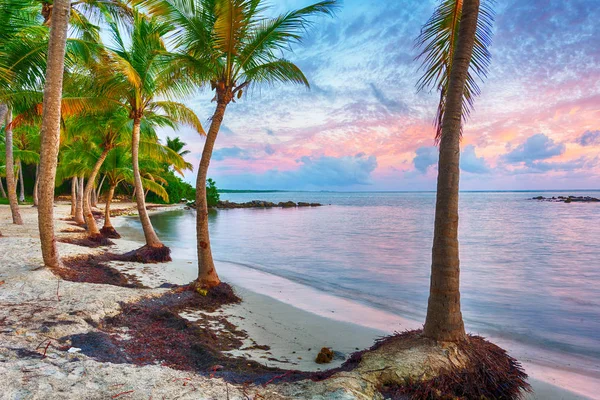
column 530, row 271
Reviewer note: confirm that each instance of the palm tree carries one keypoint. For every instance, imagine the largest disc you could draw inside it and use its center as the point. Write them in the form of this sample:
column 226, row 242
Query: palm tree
column 135, row 75
column 106, row 132
column 232, row 45
column 118, row 168
column 51, row 130
column 11, row 181
column 455, row 41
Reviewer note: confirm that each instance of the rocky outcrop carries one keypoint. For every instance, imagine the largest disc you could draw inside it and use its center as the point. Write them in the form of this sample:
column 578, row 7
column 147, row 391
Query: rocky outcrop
column 567, row 199
column 226, row 204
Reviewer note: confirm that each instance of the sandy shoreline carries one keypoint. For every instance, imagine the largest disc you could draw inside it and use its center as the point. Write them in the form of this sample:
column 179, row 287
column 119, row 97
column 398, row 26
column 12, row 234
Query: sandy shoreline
column 293, row 334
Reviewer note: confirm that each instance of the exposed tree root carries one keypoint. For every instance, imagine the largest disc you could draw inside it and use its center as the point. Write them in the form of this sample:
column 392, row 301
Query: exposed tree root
column 148, row 255
column 110, row 232
column 92, row 269
column 485, row 372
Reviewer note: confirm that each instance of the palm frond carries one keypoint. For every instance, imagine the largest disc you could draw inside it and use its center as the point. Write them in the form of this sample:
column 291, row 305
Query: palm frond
column 277, row 34
column 280, row 70
column 438, row 40
column 180, row 113
column 155, row 188
column 228, row 30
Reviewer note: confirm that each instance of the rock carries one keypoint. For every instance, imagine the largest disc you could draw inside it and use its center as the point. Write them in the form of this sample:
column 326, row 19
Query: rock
column 303, row 204
column 287, row 204
column 74, row 350
column 315, row 204
column 568, row 199
column 338, row 355
column 325, row 356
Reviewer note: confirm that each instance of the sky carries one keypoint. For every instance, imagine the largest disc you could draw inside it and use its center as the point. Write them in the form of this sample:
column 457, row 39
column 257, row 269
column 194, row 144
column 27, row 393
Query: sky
column 364, row 127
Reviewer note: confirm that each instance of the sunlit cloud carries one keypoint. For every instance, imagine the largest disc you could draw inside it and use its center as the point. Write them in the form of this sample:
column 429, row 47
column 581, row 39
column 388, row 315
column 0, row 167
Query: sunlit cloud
column 536, row 123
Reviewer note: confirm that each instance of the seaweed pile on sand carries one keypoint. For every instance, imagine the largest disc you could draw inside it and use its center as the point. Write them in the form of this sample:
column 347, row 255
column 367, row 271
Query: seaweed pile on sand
column 92, row 268
column 152, row 331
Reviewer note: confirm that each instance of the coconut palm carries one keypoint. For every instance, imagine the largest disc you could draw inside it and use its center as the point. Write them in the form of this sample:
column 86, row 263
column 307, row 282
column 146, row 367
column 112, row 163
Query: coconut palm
column 11, row 182
column 118, row 168
column 177, row 146
column 135, row 76
column 232, row 44
column 50, row 131
column 455, row 44
column 106, row 131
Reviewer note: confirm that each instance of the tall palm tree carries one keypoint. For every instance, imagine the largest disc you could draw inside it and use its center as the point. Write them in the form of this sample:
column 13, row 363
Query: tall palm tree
column 11, row 181
column 106, row 131
column 135, row 75
column 118, row 168
column 20, row 55
column 51, row 130
column 455, row 40
column 177, row 145
column 232, row 44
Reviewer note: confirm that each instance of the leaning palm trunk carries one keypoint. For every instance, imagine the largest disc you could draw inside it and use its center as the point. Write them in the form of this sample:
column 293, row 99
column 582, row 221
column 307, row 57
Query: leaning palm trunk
column 21, row 182
column 207, row 274
column 79, row 218
column 99, row 188
column 444, row 319
column 159, row 251
column 74, row 184
column 92, row 227
column 11, row 183
column 108, row 230
column 2, row 192
column 93, row 198
column 36, row 187
column 50, row 132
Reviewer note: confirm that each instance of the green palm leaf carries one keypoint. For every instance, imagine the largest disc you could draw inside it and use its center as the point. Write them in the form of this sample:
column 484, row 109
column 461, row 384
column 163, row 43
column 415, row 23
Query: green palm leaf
column 438, row 41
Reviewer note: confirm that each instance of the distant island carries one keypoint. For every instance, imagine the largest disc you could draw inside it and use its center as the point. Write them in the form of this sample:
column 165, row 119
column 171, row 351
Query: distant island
column 567, row 199
column 251, row 191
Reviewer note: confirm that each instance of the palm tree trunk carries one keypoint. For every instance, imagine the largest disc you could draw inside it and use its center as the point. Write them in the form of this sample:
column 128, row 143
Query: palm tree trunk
column 2, row 192
column 207, row 274
column 109, row 197
column 79, row 218
column 108, row 230
column 50, row 132
column 99, row 189
column 36, row 187
column 74, row 184
column 22, row 183
column 93, row 198
column 444, row 319
column 11, row 183
column 152, row 239
column 92, row 227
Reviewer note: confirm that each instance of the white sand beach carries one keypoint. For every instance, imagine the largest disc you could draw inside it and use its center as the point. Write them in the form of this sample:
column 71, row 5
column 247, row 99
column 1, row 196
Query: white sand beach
column 294, row 321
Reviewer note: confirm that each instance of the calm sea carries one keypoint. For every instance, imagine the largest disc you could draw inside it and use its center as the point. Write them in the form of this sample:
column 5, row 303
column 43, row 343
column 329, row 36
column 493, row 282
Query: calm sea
column 530, row 271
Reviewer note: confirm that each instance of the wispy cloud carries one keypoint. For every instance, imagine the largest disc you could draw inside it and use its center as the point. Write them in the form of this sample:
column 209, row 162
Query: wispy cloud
column 544, row 78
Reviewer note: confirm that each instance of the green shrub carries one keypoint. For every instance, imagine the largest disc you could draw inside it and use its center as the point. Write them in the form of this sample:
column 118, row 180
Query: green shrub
column 212, row 193
column 176, row 188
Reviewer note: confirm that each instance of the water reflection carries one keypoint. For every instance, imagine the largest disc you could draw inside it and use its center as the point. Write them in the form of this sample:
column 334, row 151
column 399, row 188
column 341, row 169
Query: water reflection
column 530, row 270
